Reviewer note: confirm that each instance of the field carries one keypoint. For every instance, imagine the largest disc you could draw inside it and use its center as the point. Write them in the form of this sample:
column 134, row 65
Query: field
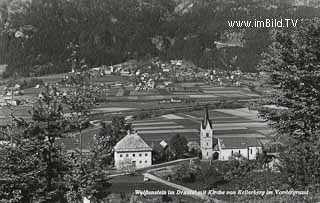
column 226, row 123
column 205, row 92
column 119, row 103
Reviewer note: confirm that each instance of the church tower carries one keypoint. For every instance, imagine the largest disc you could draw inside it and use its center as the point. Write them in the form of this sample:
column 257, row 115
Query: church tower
column 206, row 136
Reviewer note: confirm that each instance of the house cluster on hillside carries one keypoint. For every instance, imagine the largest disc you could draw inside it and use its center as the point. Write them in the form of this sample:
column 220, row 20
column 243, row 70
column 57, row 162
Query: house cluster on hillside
column 155, row 73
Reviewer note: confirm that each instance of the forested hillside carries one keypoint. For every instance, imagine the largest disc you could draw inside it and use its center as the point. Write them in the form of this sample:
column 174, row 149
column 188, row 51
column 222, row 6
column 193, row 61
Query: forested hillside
column 41, row 36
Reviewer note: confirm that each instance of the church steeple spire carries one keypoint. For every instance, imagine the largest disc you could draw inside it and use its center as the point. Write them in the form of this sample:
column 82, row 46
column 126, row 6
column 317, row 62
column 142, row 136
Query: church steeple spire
column 206, row 119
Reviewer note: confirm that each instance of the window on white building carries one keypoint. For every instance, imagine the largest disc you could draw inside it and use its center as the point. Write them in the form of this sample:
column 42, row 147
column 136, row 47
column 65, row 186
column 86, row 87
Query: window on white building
column 231, row 152
column 146, row 154
column 251, row 151
column 239, row 152
column 140, row 154
column 120, row 155
column 133, row 155
column 207, row 144
column 140, row 162
column 207, row 135
column 145, row 161
column 127, row 155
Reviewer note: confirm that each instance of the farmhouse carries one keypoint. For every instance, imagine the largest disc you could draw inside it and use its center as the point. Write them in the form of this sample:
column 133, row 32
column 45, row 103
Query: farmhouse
column 225, row 148
column 132, row 151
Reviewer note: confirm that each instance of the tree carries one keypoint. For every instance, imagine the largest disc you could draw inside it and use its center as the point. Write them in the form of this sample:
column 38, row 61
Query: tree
column 35, row 36
column 208, row 175
column 292, row 65
column 49, row 122
column 33, row 167
column 178, row 146
column 89, row 177
column 109, row 135
column 80, row 99
column 185, row 173
column 18, row 170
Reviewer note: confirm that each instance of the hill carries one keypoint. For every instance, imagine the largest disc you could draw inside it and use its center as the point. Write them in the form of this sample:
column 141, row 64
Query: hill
column 51, row 36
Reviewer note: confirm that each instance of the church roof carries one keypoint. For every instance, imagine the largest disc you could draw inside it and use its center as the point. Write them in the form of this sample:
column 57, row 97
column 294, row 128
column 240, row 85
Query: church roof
column 239, row 142
column 132, row 142
column 206, row 119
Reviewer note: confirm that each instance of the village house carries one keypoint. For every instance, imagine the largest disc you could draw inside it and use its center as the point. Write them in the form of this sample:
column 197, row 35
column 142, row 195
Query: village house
column 132, row 151
column 223, row 149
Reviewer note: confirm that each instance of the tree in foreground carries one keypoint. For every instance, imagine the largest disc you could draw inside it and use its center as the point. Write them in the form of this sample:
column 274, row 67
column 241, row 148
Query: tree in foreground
column 33, row 167
column 293, row 67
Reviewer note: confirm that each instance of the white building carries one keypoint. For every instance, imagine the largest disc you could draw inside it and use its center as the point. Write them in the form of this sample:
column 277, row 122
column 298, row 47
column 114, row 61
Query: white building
column 132, row 152
column 213, row 147
column 3, row 68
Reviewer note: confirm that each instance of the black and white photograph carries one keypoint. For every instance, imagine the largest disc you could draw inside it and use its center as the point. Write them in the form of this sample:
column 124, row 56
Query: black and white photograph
column 159, row 101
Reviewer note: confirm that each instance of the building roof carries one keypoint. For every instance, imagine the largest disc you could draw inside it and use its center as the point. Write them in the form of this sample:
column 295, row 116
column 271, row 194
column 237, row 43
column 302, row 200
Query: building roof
column 239, row 142
column 206, row 119
column 132, row 142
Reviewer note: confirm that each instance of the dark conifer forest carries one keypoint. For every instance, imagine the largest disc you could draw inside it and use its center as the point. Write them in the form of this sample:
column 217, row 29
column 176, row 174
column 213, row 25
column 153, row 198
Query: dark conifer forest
column 38, row 37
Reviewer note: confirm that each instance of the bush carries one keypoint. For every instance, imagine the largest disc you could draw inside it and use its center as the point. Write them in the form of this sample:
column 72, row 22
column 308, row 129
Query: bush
column 185, row 174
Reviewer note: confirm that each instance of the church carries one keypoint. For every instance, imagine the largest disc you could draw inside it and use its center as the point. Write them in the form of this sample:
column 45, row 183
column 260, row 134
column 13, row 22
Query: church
column 224, row 148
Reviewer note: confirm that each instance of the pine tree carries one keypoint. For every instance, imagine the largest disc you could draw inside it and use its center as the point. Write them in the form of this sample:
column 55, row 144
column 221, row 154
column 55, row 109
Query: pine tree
column 49, row 123
column 293, row 67
column 33, row 167
column 18, row 170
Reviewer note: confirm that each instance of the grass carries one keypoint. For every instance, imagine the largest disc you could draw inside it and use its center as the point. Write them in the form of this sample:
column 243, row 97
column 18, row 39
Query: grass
column 212, row 114
column 111, row 78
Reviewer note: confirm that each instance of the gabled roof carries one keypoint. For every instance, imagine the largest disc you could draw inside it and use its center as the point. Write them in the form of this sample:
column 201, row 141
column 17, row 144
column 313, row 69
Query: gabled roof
column 132, row 142
column 206, row 120
column 239, row 142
